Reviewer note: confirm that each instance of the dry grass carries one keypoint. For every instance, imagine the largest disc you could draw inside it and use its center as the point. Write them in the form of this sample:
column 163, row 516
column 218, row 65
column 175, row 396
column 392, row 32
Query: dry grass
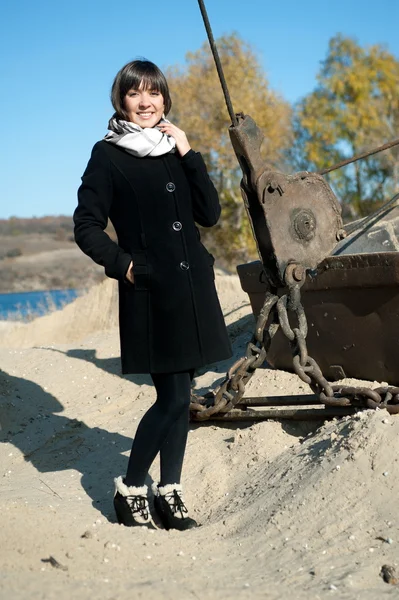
column 94, row 311
column 25, row 313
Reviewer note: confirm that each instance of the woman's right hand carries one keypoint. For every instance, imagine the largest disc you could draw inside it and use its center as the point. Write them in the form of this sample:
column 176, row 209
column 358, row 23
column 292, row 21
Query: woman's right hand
column 129, row 273
column 182, row 143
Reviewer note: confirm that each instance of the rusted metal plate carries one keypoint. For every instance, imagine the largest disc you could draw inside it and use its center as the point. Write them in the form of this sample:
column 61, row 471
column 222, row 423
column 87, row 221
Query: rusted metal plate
column 379, row 233
column 296, row 414
column 276, row 401
column 352, row 307
column 295, row 218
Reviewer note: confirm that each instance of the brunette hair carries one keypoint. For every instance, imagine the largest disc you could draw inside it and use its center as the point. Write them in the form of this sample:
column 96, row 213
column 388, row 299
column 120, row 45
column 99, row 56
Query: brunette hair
column 131, row 76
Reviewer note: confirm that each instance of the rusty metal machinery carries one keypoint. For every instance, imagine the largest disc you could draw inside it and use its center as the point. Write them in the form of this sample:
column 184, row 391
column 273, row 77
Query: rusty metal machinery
column 352, row 306
column 296, row 222
column 296, row 219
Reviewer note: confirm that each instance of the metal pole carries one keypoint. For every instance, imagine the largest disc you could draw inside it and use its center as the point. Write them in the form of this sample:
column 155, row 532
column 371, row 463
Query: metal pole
column 348, row 161
column 363, row 222
column 304, row 414
column 218, row 63
column 293, row 400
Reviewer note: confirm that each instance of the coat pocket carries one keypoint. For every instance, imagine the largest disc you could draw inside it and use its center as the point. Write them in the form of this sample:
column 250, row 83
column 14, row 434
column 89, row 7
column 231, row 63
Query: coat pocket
column 209, row 260
column 140, row 272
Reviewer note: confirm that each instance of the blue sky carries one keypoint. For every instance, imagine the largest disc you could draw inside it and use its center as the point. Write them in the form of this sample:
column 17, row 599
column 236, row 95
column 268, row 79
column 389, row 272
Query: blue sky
column 58, row 60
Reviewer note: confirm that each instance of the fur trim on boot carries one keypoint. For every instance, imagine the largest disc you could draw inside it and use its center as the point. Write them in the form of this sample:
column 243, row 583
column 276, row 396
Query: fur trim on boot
column 125, row 490
column 131, row 504
column 159, row 490
column 170, row 507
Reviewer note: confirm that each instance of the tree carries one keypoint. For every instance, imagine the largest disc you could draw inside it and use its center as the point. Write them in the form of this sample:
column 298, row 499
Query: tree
column 199, row 108
column 355, row 107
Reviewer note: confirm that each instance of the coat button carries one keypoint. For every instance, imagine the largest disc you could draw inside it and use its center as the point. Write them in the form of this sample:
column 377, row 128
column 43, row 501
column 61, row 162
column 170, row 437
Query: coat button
column 184, row 265
column 177, row 226
column 170, row 186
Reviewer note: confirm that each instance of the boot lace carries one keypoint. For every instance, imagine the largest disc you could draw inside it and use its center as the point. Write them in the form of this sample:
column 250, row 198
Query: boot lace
column 175, row 501
column 138, row 505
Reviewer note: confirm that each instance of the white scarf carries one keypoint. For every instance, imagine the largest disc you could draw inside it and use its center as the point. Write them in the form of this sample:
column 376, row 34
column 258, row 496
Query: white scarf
column 149, row 141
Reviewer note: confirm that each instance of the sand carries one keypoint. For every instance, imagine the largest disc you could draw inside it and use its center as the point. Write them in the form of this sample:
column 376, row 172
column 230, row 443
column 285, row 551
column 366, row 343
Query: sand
column 288, row 510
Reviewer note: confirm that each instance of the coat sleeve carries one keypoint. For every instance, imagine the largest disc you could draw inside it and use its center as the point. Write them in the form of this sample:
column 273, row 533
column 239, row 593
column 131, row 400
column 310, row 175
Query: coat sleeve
column 91, row 217
column 206, row 207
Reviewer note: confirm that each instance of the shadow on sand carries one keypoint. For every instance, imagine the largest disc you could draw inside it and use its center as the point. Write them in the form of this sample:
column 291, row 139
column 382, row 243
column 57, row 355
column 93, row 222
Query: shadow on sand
column 112, row 365
column 30, row 420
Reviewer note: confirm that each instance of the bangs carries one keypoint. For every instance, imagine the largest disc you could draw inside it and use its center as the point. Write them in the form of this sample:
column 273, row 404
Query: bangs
column 139, row 74
column 145, row 79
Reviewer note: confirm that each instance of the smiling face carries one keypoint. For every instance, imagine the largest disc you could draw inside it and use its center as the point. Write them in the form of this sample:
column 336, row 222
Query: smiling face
column 144, row 107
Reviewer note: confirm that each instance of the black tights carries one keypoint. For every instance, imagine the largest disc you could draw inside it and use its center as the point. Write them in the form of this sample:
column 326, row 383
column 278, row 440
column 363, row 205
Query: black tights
column 163, row 429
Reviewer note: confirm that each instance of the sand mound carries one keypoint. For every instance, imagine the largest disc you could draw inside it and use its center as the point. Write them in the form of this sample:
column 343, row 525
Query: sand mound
column 288, row 510
column 94, row 311
column 323, row 505
column 97, row 310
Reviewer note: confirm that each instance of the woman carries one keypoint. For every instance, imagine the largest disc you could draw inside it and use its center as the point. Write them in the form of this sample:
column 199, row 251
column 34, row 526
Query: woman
column 147, row 180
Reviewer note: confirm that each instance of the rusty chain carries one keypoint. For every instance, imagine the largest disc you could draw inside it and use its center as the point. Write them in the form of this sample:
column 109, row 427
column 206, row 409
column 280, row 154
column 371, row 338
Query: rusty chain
column 304, row 365
column 231, row 390
column 274, row 315
column 362, row 397
column 309, row 371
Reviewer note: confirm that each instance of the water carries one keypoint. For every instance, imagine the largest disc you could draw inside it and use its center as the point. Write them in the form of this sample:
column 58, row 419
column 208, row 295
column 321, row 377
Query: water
column 27, row 305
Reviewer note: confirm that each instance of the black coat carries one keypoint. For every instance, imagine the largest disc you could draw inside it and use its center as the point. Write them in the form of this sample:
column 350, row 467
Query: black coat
column 170, row 319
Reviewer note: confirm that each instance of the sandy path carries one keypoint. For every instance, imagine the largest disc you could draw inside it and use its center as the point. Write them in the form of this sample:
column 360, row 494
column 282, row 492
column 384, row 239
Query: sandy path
column 288, row 510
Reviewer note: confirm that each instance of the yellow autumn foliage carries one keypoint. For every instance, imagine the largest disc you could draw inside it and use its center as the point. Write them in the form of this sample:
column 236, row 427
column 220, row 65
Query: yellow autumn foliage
column 354, row 108
column 199, row 108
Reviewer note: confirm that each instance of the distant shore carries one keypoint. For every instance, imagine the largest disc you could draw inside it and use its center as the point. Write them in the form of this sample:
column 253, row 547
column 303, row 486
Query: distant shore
column 47, row 264
column 41, row 254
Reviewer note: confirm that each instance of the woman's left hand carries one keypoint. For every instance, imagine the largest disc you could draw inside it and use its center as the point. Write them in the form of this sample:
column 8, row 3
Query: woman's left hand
column 180, row 137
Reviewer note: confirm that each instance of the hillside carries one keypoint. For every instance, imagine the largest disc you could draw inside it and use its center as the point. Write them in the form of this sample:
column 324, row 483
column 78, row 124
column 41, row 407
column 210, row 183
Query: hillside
column 40, row 254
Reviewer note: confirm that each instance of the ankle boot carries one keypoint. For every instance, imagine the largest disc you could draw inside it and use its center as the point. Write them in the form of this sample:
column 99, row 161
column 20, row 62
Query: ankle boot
column 170, row 507
column 131, row 505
